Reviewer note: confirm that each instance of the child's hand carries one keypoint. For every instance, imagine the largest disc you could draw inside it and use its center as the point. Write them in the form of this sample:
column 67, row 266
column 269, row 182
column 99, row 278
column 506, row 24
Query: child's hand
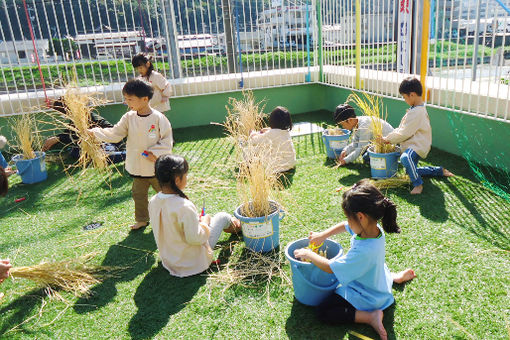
column 264, row 130
column 151, row 157
column 316, row 238
column 302, row 254
column 381, row 140
column 5, row 265
column 90, row 133
column 206, row 219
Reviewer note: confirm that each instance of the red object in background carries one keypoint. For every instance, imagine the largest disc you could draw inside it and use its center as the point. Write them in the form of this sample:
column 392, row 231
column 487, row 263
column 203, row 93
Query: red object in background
column 216, row 261
column 17, row 200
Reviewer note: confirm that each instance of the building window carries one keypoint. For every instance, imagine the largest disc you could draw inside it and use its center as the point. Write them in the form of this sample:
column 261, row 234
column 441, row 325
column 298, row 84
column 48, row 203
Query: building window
column 22, row 54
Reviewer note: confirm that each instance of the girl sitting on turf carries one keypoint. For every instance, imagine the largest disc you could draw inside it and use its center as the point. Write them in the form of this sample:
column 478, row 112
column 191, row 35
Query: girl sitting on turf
column 277, row 140
column 365, row 279
column 3, row 162
column 162, row 88
column 184, row 239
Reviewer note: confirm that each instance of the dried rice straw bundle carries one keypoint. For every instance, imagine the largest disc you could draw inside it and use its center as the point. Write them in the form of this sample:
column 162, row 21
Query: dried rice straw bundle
column 244, row 116
column 73, row 276
column 26, row 136
column 391, row 183
column 372, row 107
column 78, row 108
column 257, row 182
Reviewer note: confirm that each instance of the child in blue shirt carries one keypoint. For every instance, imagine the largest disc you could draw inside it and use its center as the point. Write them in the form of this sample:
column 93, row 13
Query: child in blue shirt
column 365, row 280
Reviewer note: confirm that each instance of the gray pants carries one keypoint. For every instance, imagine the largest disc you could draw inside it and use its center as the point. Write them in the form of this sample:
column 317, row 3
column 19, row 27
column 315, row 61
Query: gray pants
column 219, row 222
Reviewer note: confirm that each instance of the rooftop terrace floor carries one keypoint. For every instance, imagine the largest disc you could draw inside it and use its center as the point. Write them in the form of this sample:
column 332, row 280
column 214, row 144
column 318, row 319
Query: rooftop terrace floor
column 456, row 236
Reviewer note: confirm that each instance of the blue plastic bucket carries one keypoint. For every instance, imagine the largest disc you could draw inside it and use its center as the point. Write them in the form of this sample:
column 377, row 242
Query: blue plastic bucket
column 31, row 170
column 335, row 144
column 261, row 234
column 311, row 284
column 383, row 165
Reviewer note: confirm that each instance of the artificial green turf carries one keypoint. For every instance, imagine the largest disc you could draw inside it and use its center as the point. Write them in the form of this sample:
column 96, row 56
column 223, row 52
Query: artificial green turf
column 455, row 235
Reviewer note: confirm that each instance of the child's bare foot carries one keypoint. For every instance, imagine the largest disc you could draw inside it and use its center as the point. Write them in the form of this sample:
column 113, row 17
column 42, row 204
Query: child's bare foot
column 234, row 227
column 447, row 173
column 417, row 190
column 376, row 318
column 138, row 225
column 404, row 276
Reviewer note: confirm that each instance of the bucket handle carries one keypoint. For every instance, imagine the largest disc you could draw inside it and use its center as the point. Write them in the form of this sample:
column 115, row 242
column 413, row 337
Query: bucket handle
column 300, row 276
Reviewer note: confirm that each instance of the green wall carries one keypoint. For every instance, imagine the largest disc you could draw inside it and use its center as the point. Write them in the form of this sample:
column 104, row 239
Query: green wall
column 203, row 109
column 484, row 139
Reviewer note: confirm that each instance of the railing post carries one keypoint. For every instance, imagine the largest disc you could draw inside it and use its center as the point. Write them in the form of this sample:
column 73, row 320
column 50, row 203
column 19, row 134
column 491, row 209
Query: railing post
column 358, row 44
column 319, row 40
column 173, row 49
column 425, row 47
column 229, row 39
column 476, row 40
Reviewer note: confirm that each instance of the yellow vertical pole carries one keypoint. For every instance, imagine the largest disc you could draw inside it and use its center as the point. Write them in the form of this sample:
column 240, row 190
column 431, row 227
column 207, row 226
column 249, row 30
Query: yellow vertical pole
column 358, row 44
column 425, row 47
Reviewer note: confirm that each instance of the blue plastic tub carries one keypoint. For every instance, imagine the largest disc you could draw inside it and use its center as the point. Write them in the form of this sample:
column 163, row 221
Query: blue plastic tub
column 335, row 144
column 311, row 284
column 383, row 165
column 31, row 170
column 261, row 234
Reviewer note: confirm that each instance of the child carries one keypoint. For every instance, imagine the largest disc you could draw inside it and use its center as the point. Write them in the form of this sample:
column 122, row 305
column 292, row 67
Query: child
column 3, row 163
column 162, row 88
column 68, row 137
column 415, row 136
column 4, row 183
column 365, row 280
column 184, row 239
column 5, row 265
column 363, row 133
column 149, row 134
column 277, row 140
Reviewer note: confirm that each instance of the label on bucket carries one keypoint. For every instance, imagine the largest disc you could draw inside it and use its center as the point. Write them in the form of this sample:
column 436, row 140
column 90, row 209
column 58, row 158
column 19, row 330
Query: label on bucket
column 378, row 163
column 338, row 144
column 257, row 230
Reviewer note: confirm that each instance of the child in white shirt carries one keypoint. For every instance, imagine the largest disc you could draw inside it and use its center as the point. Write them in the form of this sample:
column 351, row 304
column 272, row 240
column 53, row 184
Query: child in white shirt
column 414, row 135
column 149, row 135
column 162, row 88
column 184, row 239
column 277, row 140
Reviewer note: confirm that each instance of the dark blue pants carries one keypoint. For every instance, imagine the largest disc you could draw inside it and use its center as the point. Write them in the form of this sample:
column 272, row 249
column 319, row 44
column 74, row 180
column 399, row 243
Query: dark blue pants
column 409, row 160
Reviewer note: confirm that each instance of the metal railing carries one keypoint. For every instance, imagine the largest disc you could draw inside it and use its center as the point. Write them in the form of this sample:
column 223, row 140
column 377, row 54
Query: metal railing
column 223, row 45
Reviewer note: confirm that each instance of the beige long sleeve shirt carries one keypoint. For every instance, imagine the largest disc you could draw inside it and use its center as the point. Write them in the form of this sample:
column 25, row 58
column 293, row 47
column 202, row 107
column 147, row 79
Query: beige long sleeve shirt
column 279, row 146
column 162, row 89
column 152, row 133
column 413, row 132
column 182, row 241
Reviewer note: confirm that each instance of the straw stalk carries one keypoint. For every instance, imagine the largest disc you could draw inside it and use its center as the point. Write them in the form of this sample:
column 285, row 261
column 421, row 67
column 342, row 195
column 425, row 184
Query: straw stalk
column 26, row 135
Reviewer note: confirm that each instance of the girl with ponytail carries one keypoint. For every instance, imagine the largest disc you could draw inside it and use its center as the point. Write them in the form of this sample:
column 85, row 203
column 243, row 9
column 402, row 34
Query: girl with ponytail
column 184, row 237
column 365, row 280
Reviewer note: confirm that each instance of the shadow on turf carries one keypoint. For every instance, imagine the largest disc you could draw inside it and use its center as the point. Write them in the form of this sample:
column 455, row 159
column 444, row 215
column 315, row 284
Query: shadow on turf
column 303, row 324
column 159, row 296
column 135, row 253
column 18, row 311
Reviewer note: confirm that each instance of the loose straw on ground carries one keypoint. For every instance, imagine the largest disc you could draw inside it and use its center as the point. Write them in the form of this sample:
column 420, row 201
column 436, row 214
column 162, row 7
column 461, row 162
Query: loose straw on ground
column 372, row 107
column 26, row 135
column 75, row 275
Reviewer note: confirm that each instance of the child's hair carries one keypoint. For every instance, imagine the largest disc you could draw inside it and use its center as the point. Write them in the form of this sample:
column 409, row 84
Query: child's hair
column 141, row 60
column 280, row 119
column 4, row 183
column 139, row 88
column 366, row 198
column 410, row 84
column 59, row 105
column 168, row 168
column 343, row 112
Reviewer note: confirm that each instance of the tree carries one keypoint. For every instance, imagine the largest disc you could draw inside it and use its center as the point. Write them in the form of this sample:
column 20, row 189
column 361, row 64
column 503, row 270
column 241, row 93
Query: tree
column 61, row 47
